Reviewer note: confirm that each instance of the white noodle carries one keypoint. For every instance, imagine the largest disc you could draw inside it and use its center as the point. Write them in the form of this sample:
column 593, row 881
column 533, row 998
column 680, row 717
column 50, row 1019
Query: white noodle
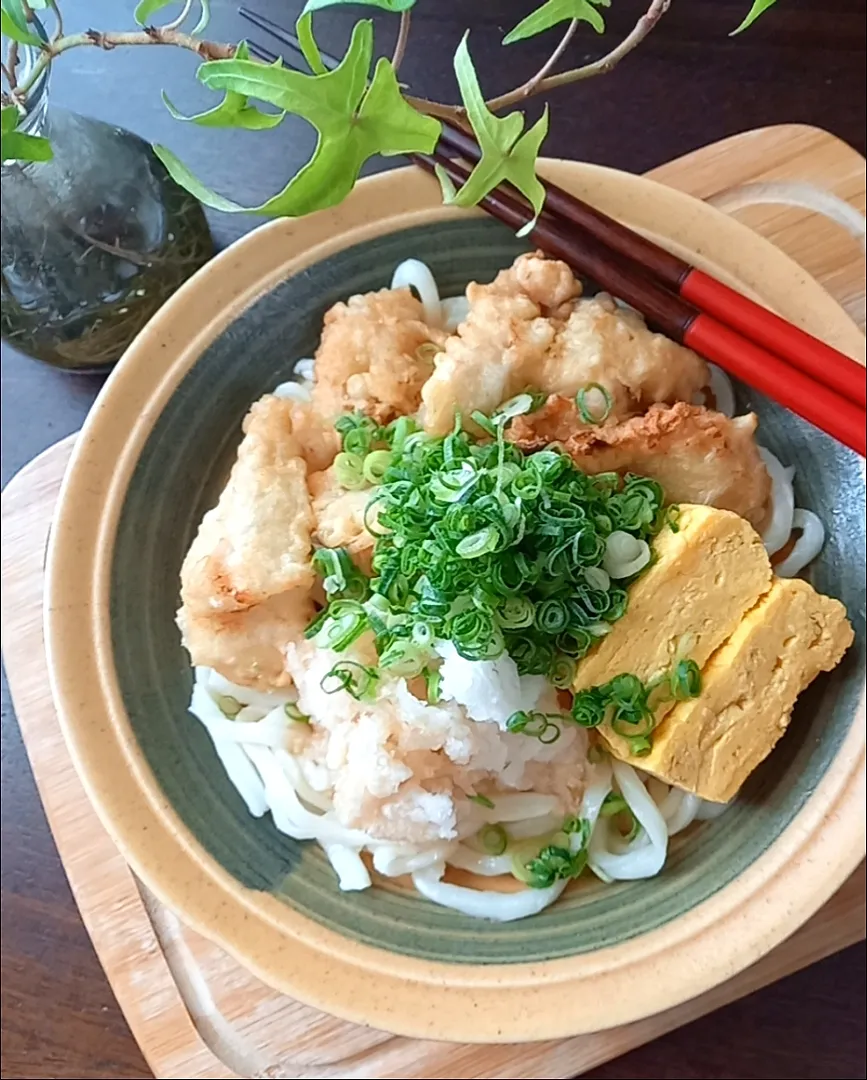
column 475, row 862
column 684, row 815
column 708, row 811
column 484, row 904
column 414, row 274
column 455, row 309
column 723, row 393
column 294, row 391
column 352, row 874
column 395, row 860
column 612, row 859
column 518, row 807
column 537, row 826
column 807, row 546
column 304, row 369
column 217, row 684
column 779, row 529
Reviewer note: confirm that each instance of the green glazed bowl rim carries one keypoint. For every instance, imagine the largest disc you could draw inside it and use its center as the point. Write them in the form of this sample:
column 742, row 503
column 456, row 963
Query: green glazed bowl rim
column 495, row 1002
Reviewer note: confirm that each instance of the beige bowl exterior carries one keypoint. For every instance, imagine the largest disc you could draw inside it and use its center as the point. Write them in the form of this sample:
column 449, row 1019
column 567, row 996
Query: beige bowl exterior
column 495, row 1003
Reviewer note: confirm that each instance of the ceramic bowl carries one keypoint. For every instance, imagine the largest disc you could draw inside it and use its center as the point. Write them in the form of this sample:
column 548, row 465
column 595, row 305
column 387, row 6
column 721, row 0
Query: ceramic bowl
column 153, row 456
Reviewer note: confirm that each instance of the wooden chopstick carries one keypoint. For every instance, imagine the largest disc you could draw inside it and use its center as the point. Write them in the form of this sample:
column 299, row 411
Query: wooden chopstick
column 824, row 364
column 675, row 316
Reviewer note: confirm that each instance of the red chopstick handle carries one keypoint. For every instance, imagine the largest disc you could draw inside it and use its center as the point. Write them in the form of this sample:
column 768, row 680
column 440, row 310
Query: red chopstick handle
column 770, row 375
column 813, row 357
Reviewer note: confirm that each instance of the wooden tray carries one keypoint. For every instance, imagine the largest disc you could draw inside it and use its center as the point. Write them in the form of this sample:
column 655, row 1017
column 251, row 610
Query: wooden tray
column 194, row 1011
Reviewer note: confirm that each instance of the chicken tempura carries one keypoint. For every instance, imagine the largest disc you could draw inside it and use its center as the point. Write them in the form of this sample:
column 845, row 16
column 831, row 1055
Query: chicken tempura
column 246, row 580
column 375, row 355
column 699, row 456
column 530, row 328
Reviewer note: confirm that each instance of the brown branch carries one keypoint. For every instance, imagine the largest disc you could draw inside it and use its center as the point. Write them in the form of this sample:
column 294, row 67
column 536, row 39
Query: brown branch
column 11, row 71
column 150, row 35
column 529, row 87
column 402, row 38
column 601, row 66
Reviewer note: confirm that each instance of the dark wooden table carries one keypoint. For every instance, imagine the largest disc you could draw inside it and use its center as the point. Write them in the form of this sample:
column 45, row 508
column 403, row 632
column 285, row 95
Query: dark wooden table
column 688, row 85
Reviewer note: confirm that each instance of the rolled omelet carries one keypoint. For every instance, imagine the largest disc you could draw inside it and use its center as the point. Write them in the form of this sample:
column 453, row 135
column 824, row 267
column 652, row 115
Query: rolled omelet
column 704, row 578
column 709, row 745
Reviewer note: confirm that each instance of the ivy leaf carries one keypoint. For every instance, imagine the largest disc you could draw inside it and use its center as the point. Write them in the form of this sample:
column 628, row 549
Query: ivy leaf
column 307, row 43
column 16, row 145
column 759, row 8
column 557, row 11
column 233, row 111
column 354, row 122
column 506, row 154
column 13, row 24
column 146, row 9
column 386, row 5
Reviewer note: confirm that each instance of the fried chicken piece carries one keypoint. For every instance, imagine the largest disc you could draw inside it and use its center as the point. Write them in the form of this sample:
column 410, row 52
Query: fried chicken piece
column 610, row 345
column 246, row 580
column 369, row 357
column 530, row 328
column 555, row 422
column 339, row 517
column 500, row 347
column 699, row 456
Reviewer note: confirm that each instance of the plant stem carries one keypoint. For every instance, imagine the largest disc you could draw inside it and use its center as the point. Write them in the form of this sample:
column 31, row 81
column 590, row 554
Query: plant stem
column 402, row 38
column 58, row 16
column 530, row 85
column 151, row 35
column 601, row 66
column 175, row 23
column 11, row 68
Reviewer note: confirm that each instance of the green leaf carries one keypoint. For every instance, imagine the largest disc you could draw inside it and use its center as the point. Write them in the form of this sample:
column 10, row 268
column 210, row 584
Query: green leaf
column 307, row 43
column 557, row 11
column 146, row 9
column 233, row 111
column 13, row 24
column 506, row 154
column 16, row 145
column 386, row 5
column 759, row 8
column 354, row 122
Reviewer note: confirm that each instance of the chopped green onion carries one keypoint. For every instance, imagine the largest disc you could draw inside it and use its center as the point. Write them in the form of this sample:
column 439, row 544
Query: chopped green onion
column 433, row 681
column 481, row 800
column 494, row 839
column 229, row 706
column 538, row 725
column 345, row 622
column 591, row 416
column 613, row 804
column 640, row 745
column 478, row 543
column 516, row 406
column 358, row 433
column 483, row 546
column 403, row 659
column 349, row 470
column 552, row 864
column 340, row 576
column 356, row 679
column 294, row 713
column 588, row 707
column 427, row 351
column 685, row 680
column 376, row 465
